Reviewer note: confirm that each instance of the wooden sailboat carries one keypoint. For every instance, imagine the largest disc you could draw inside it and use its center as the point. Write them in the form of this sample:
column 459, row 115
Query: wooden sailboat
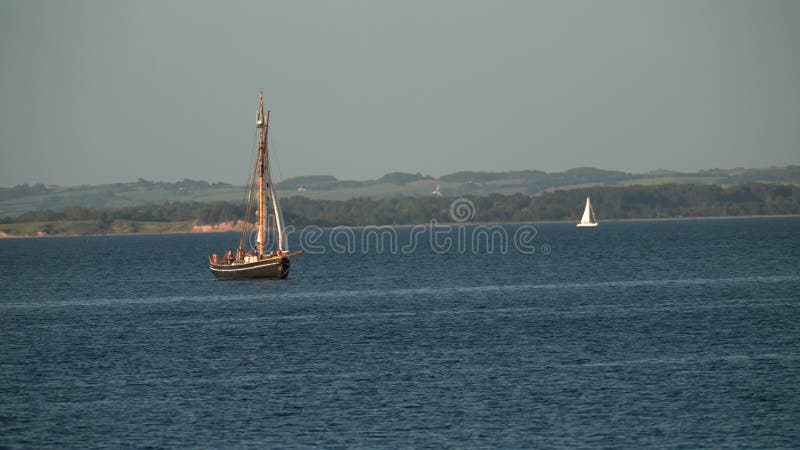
column 588, row 219
column 258, row 261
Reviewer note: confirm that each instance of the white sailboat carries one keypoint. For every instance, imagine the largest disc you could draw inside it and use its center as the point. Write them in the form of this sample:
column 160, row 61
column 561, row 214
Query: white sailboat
column 588, row 219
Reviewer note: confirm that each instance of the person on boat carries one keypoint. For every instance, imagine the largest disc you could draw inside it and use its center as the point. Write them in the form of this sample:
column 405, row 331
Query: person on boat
column 229, row 256
column 240, row 254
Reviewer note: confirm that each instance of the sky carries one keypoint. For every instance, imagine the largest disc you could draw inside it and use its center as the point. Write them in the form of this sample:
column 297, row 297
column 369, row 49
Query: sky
column 108, row 91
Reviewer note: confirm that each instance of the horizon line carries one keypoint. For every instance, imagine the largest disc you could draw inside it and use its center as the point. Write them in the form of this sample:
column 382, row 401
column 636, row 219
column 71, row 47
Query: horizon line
column 649, row 172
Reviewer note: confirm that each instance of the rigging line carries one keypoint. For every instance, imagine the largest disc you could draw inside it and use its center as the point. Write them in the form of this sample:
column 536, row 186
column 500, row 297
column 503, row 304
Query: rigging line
column 249, row 195
column 250, row 175
column 253, row 160
column 271, row 222
column 277, row 163
column 252, row 157
column 246, row 197
column 253, row 164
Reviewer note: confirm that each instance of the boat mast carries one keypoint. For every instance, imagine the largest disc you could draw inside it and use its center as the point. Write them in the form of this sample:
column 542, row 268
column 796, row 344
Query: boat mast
column 263, row 125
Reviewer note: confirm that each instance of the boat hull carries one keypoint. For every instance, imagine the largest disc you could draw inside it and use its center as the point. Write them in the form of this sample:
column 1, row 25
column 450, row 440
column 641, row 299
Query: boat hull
column 276, row 268
column 587, row 224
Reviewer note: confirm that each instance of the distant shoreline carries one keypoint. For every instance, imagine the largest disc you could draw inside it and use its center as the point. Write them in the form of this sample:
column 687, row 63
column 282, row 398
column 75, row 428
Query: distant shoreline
column 4, row 235
column 629, row 203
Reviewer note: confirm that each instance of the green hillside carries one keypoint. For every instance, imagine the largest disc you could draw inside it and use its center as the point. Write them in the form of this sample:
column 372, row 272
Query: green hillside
column 611, row 202
column 23, row 198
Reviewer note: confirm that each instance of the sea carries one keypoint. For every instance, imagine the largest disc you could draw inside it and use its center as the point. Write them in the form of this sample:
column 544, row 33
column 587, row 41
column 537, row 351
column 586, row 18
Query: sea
column 669, row 334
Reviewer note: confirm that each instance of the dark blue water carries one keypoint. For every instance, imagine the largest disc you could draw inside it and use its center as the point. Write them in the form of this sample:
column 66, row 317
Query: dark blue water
column 668, row 334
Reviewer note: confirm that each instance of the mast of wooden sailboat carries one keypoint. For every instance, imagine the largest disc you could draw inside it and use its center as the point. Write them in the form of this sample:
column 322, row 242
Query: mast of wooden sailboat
column 262, row 125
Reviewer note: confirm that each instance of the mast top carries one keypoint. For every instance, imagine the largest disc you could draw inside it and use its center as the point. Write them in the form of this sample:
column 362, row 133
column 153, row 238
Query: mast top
column 260, row 120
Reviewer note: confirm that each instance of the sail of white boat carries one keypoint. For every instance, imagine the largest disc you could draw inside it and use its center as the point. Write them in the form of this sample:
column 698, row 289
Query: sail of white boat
column 587, row 212
column 588, row 219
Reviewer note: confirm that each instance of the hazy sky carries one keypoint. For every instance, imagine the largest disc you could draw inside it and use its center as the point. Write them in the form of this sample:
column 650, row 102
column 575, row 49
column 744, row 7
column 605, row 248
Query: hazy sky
column 105, row 91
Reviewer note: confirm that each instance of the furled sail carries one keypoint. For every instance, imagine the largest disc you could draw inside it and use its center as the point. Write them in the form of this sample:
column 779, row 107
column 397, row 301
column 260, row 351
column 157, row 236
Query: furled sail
column 280, row 235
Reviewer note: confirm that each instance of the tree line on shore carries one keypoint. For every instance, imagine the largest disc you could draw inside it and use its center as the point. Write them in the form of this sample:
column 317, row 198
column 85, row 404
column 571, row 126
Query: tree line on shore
column 611, row 202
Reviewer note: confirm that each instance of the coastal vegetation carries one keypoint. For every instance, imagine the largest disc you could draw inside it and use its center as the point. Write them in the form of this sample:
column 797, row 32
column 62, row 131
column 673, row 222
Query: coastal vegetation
column 610, row 202
column 23, row 198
